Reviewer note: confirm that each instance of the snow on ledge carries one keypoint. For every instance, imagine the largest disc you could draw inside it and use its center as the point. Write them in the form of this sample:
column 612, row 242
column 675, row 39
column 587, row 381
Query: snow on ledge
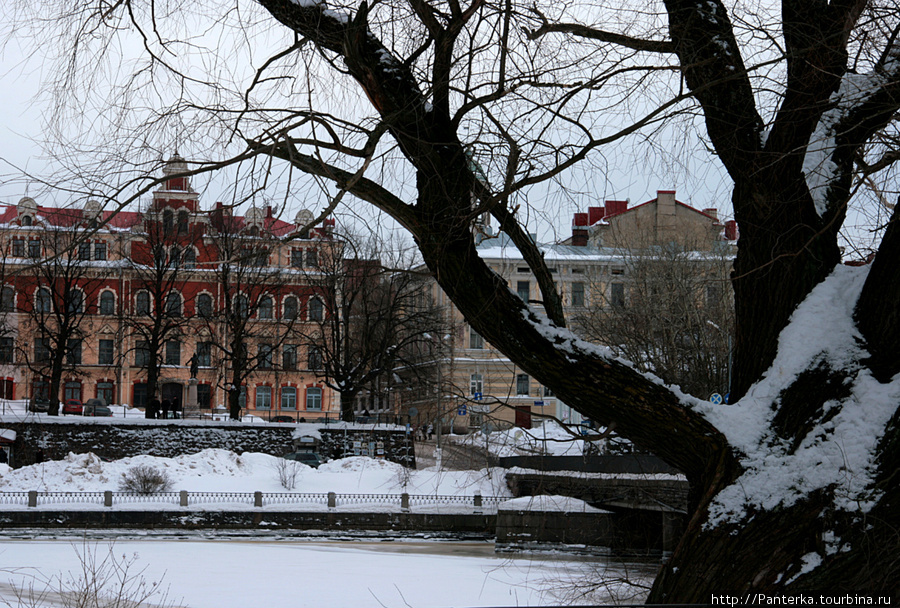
column 548, row 503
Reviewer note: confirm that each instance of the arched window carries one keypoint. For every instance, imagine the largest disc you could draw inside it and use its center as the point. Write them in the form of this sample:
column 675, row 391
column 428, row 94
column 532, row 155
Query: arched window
column 168, row 221
column 74, row 301
column 107, row 303
column 241, row 308
column 182, row 222
column 290, row 308
column 266, row 308
column 173, row 304
column 190, row 258
column 316, row 310
column 8, row 299
column 204, row 305
column 175, row 256
column 142, row 303
column 26, row 220
column 42, row 301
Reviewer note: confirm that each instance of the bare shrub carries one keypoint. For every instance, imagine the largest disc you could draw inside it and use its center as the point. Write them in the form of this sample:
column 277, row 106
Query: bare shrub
column 145, row 479
column 287, row 472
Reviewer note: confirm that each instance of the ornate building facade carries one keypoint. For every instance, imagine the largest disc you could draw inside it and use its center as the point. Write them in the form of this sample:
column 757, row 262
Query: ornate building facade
column 91, row 299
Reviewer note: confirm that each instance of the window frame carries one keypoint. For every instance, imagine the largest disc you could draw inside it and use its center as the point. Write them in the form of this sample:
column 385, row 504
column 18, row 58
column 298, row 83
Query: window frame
column 314, row 397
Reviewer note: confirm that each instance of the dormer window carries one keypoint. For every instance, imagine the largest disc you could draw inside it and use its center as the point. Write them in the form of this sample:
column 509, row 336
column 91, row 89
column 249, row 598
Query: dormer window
column 26, row 220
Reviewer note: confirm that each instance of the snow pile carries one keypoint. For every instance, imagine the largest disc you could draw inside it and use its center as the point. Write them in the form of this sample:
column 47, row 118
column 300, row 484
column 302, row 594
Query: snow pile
column 837, row 453
column 216, row 470
column 548, row 503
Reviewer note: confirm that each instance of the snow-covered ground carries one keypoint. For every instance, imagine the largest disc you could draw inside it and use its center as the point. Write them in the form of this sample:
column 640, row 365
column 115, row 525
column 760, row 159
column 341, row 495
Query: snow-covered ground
column 218, row 573
column 546, row 438
column 291, row 573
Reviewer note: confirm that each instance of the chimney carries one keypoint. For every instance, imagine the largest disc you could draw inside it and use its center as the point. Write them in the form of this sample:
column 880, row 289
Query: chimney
column 711, row 212
column 595, row 214
column 616, row 207
column 731, row 230
column 579, row 230
column 665, row 214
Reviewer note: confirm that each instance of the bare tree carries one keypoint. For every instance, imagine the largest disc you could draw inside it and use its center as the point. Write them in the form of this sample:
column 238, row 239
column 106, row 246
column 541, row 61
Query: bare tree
column 248, row 284
column 60, row 291
column 157, row 262
column 368, row 318
column 670, row 313
column 798, row 107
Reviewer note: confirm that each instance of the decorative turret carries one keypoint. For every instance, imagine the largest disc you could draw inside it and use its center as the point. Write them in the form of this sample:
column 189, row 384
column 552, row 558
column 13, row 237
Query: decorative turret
column 174, row 166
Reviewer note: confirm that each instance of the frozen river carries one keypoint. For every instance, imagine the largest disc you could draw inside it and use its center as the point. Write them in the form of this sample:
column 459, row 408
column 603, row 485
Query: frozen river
column 288, row 573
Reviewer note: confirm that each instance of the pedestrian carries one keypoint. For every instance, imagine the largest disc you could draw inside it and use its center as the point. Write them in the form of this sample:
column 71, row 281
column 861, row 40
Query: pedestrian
column 430, row 431
column 153, row 409
column 166, row 406
column 3, row 458
column 176, row 405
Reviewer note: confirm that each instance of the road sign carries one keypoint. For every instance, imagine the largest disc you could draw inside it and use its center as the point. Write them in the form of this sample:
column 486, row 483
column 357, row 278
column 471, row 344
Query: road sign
column 727, row 398
column 476, row 396
column 715, row 399
column 539, row 404
column 461, row 410
column 413, row 412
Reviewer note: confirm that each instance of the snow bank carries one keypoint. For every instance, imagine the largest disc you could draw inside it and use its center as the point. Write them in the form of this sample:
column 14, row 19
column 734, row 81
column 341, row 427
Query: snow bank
column 548, row 503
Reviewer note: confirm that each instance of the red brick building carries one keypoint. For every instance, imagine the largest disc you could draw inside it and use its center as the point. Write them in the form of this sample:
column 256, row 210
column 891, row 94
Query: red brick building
column 99, row 267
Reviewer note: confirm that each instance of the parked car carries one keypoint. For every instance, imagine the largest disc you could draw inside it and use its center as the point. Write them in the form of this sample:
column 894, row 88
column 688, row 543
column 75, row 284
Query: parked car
column 282, row 419
column 73, row 406
column 310, row 459
column 39, row 404
column 96, row 407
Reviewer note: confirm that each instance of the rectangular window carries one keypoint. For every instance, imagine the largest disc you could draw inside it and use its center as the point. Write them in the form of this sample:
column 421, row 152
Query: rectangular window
column 105, row 352
column 312, row 258
column 42, row 349
column 139, row 398
column 288, row 398
column 314, row 399
column 204, row 396
column 314, row 358
column 100, row 251
column 548, row 392
column 18, row 248
column 141, row 353
column 476, row 342
column 34, row 249
column 297, row 258
column 6, row 350
column 617, row 295
column 84, row 251
column 713, row 295
column 263, row 397
column 577, row 294
column 204, row 354
column 173, row 352
column 289, row 356
column 265, row 356
column 73, row 351
column 523, row 289
column 72, row 390
column 40, row 389
column 523, row 384
column 476, row 384
column 105, row 392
